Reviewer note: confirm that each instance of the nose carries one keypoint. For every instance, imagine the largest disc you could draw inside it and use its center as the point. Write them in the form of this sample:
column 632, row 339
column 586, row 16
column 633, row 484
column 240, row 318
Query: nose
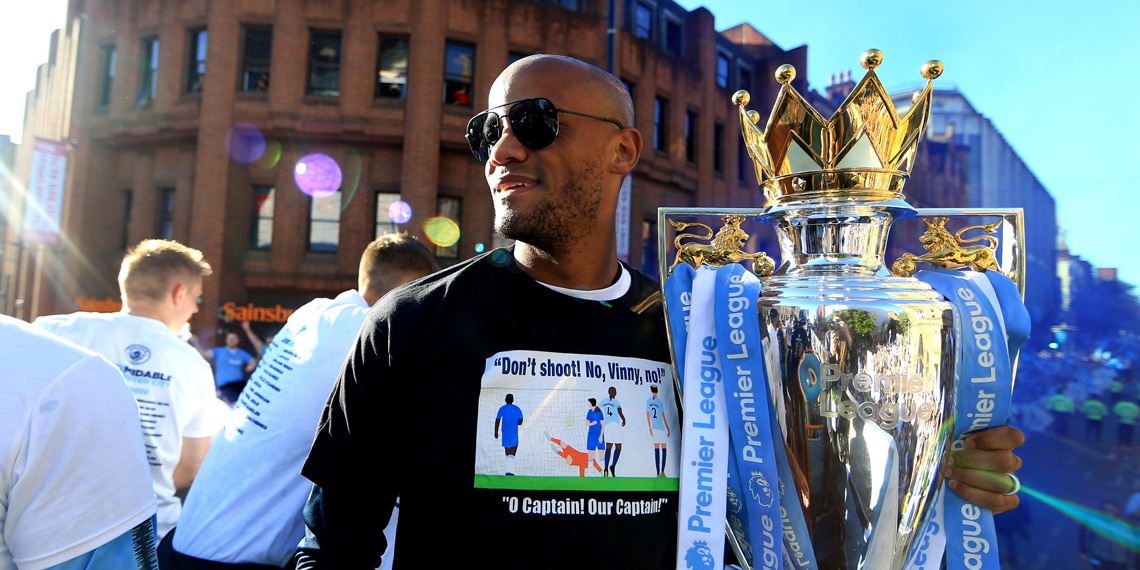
column 508, row 148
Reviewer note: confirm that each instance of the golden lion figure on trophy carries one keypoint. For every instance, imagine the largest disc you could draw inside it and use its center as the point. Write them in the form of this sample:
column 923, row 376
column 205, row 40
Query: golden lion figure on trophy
column 721, row 249
column 948, row 251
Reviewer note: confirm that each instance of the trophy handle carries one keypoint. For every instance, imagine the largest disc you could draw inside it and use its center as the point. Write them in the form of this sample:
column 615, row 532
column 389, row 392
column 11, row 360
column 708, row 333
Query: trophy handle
column 719, row 247
column 981, row 250
column 706, row 247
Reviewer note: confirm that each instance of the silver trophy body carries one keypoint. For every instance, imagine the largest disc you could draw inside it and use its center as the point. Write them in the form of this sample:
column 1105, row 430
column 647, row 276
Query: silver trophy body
column 860, row 358
column 861, row 363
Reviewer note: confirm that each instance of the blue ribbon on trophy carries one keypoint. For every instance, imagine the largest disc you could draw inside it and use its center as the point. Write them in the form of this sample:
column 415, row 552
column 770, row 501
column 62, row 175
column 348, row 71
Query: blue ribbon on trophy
column 704, row 433
column 716, row 337
column 991, row 324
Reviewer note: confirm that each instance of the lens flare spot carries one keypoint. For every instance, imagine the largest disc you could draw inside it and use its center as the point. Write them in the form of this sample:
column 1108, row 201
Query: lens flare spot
column 271, row 156
column 400, row 212
column 480, row 248
column 441, row 231
column 499, row 257
column 317, row 175
column 244, row 143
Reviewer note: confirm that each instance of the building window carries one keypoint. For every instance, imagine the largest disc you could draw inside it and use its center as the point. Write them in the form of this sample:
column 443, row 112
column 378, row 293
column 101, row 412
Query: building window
column 691, row 136
column 124, row 237
column 196, row 72
column 324, row 63
column 166, row 213
column 722, row 66
column 459, row 75
column 255, row 60
column 674, row 36
column 324, row 222
column 392, row 67
column 744, row 78
column 110, row 60
column 642, row 20
column 660, row 124
column 384, row 223
column 718, row 148
column 451, row 208
column 148, row 78
column 262, row 235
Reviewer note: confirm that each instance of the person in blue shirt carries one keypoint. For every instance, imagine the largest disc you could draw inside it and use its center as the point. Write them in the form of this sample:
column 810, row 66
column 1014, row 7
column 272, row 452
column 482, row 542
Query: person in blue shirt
column 596, row 433
column 231, row 364
column 510, row 417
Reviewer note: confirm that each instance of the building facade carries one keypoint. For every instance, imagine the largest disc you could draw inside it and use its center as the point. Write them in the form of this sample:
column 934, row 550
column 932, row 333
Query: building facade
column 966, row 162
column 276, row 135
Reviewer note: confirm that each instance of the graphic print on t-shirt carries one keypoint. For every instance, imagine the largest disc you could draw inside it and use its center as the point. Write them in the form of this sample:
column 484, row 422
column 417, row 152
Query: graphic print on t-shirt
column 561, row 442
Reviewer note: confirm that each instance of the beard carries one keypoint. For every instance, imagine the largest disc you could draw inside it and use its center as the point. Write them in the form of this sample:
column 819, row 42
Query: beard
column 563, row 214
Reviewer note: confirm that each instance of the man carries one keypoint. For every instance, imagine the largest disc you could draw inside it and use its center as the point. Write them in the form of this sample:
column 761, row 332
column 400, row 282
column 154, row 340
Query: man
column 556, row 143
column 1095, row 412
column 1126, row 412
column 244, row 510
column 231, row 364
column 510, row 417
column 74, row 484
column 160, row 282
column 612, row 408
column 659, row 430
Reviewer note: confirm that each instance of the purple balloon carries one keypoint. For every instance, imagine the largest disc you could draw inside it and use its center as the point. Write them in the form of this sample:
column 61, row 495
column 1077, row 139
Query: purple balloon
column 400, row 212
column 244, row 143
column 317, row 175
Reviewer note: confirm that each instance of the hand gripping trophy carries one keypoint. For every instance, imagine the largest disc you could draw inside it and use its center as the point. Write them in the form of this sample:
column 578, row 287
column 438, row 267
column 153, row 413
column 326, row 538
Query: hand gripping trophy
column 820, row 394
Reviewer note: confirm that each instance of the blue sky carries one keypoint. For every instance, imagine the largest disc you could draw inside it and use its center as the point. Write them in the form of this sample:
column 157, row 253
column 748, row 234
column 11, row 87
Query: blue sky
column 1056, row 78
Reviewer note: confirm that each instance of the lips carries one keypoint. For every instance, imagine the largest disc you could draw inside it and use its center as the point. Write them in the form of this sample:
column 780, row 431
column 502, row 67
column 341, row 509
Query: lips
column 514, row 184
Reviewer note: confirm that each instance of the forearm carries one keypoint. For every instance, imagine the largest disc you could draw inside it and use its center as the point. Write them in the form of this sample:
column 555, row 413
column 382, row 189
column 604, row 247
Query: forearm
column 193, row 452
column 339, row 533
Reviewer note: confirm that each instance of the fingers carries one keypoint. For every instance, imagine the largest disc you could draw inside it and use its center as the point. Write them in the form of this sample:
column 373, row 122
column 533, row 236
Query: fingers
column 980, row 477
column 996, row 502
column 982, row 460
column 1005, row 438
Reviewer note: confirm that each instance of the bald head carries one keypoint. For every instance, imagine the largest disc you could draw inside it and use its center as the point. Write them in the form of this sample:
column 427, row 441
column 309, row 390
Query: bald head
column 609, row 94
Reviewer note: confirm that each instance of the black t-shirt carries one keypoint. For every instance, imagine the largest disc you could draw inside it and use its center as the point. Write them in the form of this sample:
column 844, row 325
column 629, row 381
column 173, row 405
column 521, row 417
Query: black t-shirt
column 413, row 416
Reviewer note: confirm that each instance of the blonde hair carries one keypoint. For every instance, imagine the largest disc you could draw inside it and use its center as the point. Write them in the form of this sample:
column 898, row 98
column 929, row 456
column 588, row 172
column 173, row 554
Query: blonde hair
column 151, row 267
column 398, row 253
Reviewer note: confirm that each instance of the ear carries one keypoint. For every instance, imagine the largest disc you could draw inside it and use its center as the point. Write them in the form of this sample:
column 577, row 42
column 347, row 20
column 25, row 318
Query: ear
column 626, row 151
column 178, row 292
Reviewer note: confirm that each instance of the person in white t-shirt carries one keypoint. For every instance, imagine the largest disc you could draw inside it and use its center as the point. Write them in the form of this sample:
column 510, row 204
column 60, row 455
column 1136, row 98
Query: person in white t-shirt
column 244, row 510
column 160, row 282
column 74, row 484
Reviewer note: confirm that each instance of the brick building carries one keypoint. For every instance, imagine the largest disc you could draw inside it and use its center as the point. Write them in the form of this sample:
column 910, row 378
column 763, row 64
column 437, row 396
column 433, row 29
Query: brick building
column 188, row 119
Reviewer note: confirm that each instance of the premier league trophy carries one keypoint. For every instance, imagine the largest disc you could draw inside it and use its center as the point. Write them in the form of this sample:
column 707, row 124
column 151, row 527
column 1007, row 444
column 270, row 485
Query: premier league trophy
column 820, row 393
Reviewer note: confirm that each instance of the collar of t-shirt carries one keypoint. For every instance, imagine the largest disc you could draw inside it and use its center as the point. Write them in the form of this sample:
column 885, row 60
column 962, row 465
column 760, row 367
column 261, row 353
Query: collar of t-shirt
column 615, row 291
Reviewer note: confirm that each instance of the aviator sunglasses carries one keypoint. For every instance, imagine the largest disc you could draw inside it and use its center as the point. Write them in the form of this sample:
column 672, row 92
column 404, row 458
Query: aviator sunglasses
column 534, row 123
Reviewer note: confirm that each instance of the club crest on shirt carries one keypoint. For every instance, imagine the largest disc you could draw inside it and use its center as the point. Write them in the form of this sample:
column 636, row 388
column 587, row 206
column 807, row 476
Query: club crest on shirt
column 138, row 354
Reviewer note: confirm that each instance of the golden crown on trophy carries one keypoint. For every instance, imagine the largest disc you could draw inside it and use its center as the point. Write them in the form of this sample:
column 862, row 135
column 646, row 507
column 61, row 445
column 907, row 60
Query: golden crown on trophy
column 864, row 153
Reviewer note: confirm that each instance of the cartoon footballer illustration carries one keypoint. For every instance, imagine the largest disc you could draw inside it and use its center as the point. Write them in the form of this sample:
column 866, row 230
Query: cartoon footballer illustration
column 510, row 417
column 596, row 434
column 659, row 429
column 611, row 407
column 573, row 457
